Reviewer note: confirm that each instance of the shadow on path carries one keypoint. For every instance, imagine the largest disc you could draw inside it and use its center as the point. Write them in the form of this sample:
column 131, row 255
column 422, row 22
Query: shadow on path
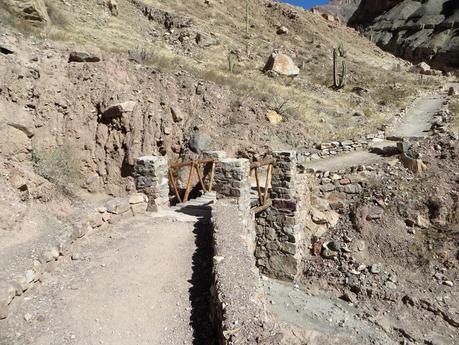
column 201, row 279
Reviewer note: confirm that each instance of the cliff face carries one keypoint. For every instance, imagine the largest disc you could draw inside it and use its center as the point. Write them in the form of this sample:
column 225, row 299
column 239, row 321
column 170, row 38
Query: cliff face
column 344, row 9
column 415, row 30
column 367, row 10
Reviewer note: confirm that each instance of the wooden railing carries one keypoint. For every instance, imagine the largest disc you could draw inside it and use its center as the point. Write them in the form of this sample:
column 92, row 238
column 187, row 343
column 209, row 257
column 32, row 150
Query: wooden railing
column 195, row 166
column 263, row 201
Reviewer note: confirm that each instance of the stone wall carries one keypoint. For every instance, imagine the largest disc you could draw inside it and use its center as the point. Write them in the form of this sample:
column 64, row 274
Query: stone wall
column 238, row 308
column 280, row 230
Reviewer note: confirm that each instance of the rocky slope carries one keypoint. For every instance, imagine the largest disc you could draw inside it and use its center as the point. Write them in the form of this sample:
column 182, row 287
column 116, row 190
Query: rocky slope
column 163, row 87
column 344, row 9
column 415, row 30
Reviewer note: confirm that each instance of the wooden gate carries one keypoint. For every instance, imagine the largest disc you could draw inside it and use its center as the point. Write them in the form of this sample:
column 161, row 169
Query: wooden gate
column 194, row 166
column 263, row 201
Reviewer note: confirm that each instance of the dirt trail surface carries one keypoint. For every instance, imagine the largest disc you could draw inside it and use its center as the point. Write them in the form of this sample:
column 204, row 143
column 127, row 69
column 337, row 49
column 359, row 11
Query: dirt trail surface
column 141, row 283
column 417, row 120
column 415, row 124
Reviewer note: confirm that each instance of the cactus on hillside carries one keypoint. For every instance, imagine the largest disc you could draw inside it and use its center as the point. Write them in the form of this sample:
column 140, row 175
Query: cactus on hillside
column 339, row 75
column 231, row 62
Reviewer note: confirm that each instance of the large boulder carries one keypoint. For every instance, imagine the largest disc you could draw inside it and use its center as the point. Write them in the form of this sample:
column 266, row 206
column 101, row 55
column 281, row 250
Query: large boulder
column 281, row 64
column 31, row 10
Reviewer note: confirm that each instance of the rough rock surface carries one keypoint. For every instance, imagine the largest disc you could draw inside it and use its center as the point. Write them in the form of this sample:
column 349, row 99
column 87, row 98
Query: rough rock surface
column 282, row 64
column 343, row 9
column 30, row 10
column 416, row 30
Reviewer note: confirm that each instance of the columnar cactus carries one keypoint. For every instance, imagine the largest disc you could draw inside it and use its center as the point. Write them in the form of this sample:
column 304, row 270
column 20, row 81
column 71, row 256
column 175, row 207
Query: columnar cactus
column 339, row 77
column 231, row 62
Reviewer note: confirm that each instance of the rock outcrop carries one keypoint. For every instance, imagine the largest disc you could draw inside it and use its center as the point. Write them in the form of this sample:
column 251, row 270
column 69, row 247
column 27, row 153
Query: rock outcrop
column 415, row 30
column 30, row 10
column 343, row 9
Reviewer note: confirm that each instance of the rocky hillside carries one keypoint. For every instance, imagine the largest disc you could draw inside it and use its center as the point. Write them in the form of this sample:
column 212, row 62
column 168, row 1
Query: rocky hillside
column 106, row 82
column 344, row 9
column 415, row 30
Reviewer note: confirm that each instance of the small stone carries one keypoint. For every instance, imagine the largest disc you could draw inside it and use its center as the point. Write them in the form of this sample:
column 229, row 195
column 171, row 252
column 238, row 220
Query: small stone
column 217, row 259
column 390, row 285
column 30, row 276
column 177, row 114
column 138, row 209
column 118, row 205
column 27, row 317
column 318, row 217
column 273, row 117
column 348, row 298
column 102, row 209
column 439, row 276
column 282, row 30
column 138, row 198
column 448, row 283
column 83, row 57
column 375, row 268
column 375, row 213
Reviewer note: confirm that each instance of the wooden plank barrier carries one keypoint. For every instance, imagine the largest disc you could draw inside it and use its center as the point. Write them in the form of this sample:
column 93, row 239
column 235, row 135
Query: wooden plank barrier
column 194, row 166
column 263, row 200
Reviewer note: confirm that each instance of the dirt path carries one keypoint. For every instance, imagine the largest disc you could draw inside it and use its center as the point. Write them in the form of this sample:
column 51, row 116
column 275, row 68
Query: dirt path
column 143, row 282
column 417, row 120
column 415, row 124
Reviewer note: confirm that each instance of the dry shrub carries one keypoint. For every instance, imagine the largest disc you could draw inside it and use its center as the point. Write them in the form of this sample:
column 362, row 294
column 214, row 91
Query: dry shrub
column 58, row 165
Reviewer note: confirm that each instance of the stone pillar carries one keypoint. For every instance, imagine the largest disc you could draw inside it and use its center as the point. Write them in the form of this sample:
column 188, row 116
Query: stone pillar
column 151, row 174
column 280, row 229
column 232, row 182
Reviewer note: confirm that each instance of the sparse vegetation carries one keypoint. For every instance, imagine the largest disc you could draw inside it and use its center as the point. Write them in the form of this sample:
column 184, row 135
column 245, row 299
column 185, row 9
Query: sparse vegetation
column 58, row 165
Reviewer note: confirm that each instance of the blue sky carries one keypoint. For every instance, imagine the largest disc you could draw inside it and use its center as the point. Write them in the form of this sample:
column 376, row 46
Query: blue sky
column 306, row 3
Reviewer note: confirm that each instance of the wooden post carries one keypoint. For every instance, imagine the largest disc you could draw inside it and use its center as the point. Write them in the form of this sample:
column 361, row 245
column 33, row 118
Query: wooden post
column 188, row 186
column 260, row 199
column 268, row 181
column 201, row 180
column 212, row 175
column 174, row 185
